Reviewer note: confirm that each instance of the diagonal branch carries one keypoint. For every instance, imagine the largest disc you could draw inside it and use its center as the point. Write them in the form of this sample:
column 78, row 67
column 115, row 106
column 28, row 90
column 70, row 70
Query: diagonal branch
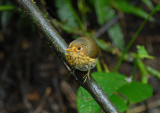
column 60, row 45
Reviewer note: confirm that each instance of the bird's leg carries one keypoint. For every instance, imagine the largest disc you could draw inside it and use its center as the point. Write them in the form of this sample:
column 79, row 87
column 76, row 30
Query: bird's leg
column 86, row 76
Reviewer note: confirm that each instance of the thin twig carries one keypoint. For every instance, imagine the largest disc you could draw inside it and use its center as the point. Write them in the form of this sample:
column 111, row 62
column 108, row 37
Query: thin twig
column 106, row 26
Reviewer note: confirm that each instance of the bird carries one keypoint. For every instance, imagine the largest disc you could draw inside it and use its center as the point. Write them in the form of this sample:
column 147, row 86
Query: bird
column 82, row 54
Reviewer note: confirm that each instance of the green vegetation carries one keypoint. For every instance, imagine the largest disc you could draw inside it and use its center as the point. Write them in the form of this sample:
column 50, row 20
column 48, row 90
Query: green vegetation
column 72, row 18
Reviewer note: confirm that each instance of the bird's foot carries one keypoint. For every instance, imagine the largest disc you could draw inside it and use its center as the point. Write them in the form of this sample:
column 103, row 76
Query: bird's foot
column 86, row 76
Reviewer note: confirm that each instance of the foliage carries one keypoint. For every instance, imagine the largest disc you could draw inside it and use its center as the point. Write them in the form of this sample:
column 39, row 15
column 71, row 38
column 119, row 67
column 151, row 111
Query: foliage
column 128, row 8
column 74, row 20
column 120, row 91
column 65, row 13
column 116, row 36
column 142, row 53
column 105, row 11
column 117, row 88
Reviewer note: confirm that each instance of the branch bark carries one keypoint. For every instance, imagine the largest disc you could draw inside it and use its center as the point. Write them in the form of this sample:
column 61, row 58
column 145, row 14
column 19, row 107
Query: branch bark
column 60, row 45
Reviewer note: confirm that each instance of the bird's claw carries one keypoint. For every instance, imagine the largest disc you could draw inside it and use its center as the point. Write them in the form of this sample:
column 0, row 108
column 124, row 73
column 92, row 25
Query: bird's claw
column 86, row 76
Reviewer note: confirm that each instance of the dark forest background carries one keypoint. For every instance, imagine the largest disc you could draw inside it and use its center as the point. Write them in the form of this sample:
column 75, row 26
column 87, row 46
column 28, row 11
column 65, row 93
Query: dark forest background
column 34, row 80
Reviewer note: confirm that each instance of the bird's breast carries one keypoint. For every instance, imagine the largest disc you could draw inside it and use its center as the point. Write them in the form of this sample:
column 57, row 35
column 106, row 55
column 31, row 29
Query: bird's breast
column 80, row 62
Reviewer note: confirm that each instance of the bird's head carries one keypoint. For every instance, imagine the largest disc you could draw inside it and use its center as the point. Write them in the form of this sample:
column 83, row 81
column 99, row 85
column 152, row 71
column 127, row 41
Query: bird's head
column 84, row 46
column 78, row 47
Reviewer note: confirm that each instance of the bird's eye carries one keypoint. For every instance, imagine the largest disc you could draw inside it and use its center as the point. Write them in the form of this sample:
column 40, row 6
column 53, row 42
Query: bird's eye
column 79, row 48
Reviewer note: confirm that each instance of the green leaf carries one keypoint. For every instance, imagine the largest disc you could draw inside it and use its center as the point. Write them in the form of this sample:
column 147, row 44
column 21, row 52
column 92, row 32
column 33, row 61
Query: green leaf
column 102, row 44
column 136, row 91
column 116, row 35
column 119, row 102
column 142, row 52
column 65, row 13
column 148, row 3
column 128, row 8
column 86, row 103
column 66, row 27
column 158, row 7
column 103, row 10
column 110, row 82
column 6, row 7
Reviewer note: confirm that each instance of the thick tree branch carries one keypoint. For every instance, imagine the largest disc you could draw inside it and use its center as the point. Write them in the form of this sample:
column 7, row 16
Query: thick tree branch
column 60, row 45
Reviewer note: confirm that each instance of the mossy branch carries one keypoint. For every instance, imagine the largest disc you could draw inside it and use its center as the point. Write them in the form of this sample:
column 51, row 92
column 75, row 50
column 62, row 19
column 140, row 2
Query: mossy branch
column 57, row 42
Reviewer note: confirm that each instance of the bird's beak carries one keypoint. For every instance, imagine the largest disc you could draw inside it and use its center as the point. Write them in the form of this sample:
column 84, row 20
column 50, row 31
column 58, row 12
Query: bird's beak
column 68, row 49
